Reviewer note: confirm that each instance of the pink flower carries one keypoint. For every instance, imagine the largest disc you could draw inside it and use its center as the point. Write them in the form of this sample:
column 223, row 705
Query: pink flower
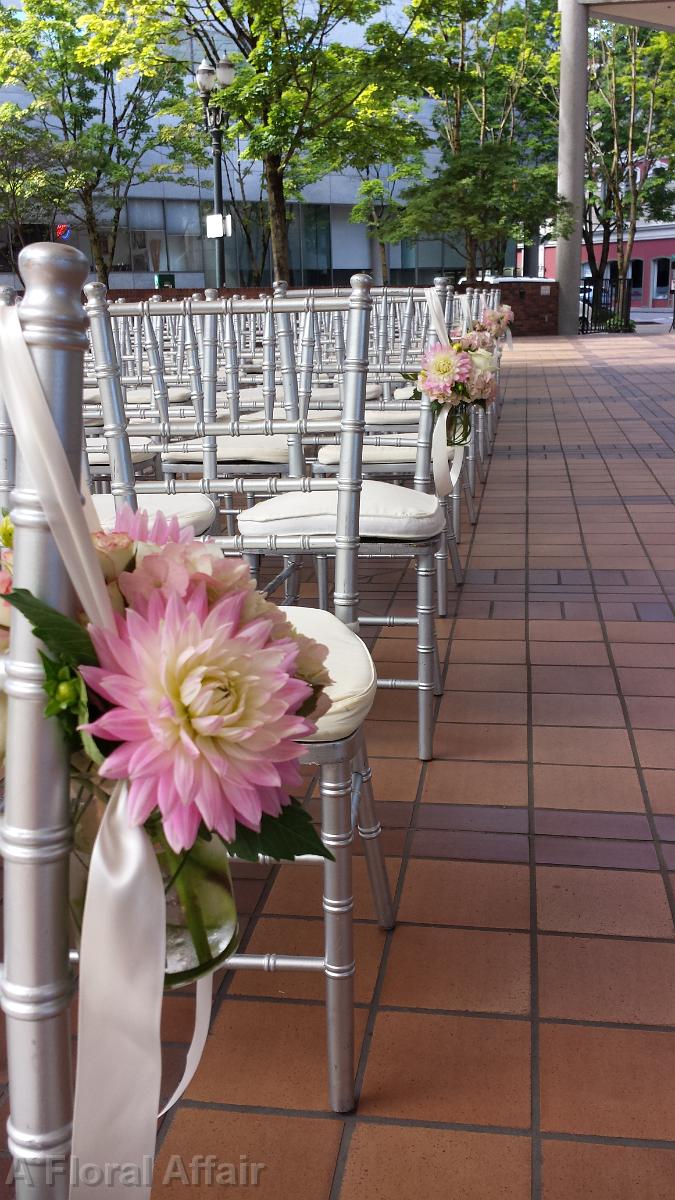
column 483, row 387
column 5, row 589
column 137, row 526
column 114, row 552
column 443, row 368
column 177, row 568
column 205, row 707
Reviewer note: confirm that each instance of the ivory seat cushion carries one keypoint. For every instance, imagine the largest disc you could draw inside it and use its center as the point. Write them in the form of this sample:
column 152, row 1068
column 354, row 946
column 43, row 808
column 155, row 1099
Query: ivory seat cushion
column 330, row 455
column 388, row 511
column 391, row 417
column 272, row 448
column 190, row 509
column 354, row 681
column 97, row 452
column 318, row 394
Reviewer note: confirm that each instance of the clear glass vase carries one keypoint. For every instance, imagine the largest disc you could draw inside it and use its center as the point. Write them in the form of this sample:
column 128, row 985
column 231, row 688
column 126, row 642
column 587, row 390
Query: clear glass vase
column 201, row 916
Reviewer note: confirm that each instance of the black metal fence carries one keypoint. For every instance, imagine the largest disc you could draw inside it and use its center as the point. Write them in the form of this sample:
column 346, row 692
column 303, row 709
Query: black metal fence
column 606, row 310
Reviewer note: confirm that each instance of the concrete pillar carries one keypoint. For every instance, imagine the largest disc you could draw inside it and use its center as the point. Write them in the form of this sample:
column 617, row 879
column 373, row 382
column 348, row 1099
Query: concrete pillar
column 571, row 159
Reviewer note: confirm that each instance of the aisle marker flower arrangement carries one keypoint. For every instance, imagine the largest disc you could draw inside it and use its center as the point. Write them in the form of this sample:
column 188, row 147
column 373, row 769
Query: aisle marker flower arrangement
column 198, row 698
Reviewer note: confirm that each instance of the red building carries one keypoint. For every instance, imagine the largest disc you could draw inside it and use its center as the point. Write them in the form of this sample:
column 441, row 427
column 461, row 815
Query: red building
column 652, row 264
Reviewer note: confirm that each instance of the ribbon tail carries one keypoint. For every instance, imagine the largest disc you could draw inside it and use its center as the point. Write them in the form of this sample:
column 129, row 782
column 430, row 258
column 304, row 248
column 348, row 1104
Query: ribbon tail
column 119, row 1060
column 199, row 1036
column 509, row 338
column 439, row 453
column 436, row 315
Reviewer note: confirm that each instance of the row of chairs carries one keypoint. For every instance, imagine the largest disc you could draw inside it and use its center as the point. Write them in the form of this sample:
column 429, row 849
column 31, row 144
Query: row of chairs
column 176, row 397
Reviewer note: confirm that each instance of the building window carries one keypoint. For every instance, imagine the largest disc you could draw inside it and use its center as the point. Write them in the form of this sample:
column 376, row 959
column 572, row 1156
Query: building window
column 147, row 239
column 661, row 270
column 636, row 270
column 183, row 235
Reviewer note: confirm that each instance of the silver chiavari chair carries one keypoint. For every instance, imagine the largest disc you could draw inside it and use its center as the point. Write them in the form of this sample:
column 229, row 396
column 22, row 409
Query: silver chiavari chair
column 7, row 447
column 337, row 748
column 36, row 836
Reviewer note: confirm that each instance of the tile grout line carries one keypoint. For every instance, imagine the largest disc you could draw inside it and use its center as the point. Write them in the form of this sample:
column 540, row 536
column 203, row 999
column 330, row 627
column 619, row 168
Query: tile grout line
column 353, row 1119
column 656, row 840
column 535, row 1064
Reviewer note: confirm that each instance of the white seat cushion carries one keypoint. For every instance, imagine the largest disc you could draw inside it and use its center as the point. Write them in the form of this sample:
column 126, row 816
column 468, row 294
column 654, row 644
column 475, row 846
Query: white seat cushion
column 354, row 682
column 391, row 417
column 388, row 511
column 325, row 394
column 192, row 509
column 101, row 458
column 247, row 448
column 330, row 455
column 143, row 395
column 405, row 392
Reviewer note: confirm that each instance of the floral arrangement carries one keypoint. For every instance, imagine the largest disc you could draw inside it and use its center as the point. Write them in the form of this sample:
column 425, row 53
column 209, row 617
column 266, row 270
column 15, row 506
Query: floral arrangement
column 495, row 321
column 460, row 375
column 197, row 698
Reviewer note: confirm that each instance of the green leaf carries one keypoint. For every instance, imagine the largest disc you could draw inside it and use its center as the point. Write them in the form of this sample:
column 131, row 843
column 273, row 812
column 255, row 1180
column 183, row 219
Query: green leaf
column 284, row 837
column 65, row 640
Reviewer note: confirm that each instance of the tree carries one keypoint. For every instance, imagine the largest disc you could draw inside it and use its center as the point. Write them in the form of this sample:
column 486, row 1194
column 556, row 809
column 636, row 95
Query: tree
column 110, row 136
column 297, row 86
column 630, row 142
column 486, row 68
column 476, row 202
column 31, row 187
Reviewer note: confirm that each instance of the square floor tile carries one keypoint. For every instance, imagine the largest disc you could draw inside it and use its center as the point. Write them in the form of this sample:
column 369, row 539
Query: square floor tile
column 655, row 747
column 599, row 979
column 591, row 711
column 465, row 1070
column 475, row 783
column 272, row 1157
column 395, row 780
column 588, row 1171
column 460, row 969
column 661, row 788
column 572, row 746
column 491, row 743
column 606, row 789
column 607, row 1082
column 266, row 1054
column 496, row 895
column 623, row 903
column 399, row 1163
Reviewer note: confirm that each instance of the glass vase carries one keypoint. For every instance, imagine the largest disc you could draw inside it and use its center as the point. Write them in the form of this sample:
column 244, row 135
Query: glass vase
column 201, row 916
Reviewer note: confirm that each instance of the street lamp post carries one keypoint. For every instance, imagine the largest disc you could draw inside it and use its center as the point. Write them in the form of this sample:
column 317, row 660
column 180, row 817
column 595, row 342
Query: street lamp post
column 209, row 77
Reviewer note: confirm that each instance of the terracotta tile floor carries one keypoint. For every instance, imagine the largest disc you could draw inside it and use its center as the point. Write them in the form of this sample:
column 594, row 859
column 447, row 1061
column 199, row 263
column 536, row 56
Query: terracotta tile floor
column 516, row 1032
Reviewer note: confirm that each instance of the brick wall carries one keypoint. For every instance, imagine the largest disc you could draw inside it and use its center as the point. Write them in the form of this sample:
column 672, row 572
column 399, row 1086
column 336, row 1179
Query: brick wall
column 534, row 304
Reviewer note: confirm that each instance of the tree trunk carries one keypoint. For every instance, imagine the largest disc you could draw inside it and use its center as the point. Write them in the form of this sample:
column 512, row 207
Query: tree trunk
column 384, row 263
column 471, row 264
column 91, row 225
column 276, row 201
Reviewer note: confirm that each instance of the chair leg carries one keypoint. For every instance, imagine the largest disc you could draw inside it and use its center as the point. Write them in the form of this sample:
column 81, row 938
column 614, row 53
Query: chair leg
column 457, row 508
column 370, row 832
column 338, row 905
column 291, row 584
column 426, row 643
column 451, row 546
column 321, row 568
column 471, row 507
column 441, row 557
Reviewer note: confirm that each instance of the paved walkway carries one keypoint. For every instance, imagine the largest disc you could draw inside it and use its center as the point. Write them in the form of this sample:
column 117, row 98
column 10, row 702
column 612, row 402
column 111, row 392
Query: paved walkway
column 516, row 1034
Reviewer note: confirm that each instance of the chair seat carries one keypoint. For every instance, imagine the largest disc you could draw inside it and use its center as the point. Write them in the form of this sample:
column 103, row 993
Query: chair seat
column 354, row 681
column 388, row 511
column 97, row 451
column 318, row 394
column 193, row 509
column 329, row 456
column 392, row 417
column 252, row 447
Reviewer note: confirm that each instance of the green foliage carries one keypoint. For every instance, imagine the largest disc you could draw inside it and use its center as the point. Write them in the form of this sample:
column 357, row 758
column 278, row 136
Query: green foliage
column 95, row 132
column 62, row 637
column 283, row 838
column 31, row 183
column 630, row 139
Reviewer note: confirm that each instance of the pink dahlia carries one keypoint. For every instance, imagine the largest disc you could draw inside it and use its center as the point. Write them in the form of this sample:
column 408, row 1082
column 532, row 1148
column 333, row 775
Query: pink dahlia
column 443, row 368
column 205, row 707
column 160, row 533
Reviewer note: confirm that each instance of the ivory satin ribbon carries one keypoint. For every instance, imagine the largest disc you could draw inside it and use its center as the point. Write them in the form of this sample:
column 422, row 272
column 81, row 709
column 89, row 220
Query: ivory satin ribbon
column 122, row 954
column 445, row 478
